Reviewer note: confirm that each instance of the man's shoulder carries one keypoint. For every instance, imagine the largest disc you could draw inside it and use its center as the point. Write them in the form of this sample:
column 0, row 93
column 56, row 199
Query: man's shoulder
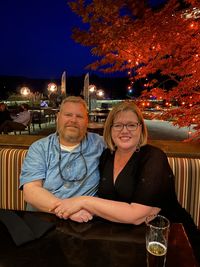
column 45, row 141
column 93, row 137
column 94, row 142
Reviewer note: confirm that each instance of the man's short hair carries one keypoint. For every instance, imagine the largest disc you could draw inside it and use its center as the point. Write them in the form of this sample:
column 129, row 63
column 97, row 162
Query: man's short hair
column 74, row 99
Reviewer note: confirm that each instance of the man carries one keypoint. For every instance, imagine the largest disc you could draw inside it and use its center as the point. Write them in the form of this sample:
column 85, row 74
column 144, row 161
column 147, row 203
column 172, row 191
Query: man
column 64, row 164
column 19, row 122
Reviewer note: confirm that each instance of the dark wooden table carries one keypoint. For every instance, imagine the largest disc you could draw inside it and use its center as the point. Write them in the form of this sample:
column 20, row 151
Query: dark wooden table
column 97, row 243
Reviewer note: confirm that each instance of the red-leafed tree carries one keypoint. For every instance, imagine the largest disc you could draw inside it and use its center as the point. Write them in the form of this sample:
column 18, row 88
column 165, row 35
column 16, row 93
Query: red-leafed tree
column 128, row 35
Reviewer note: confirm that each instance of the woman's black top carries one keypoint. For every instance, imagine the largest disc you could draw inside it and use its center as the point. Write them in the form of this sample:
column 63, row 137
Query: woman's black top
column 146, row 179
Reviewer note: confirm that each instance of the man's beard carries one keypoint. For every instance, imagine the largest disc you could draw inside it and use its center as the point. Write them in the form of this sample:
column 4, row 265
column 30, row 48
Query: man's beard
column 73, row 135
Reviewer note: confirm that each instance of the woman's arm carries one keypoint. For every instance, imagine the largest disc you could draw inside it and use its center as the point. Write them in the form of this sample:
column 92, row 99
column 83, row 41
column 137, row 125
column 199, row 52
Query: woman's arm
column 115, row 211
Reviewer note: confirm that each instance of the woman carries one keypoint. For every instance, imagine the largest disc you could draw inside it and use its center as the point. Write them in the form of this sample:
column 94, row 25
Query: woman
column 136, row 179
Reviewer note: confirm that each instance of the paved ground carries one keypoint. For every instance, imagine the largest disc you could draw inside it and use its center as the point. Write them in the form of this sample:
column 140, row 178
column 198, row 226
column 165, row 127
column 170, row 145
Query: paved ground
column 163, row 130
column 158, row 130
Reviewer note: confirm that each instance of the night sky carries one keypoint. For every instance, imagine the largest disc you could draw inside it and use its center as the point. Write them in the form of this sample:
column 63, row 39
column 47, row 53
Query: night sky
column 35, row 39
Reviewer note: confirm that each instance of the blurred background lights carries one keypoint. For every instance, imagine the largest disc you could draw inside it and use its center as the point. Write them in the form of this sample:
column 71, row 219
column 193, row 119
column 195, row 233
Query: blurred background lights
column 25, row 91
column 52, row 87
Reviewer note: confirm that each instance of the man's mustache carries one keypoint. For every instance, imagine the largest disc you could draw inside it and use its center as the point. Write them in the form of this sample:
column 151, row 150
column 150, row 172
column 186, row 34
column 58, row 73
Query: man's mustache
column 71, row 125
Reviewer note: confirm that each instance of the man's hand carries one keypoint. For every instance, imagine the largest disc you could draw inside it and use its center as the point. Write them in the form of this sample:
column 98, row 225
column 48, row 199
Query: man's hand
column 69, row 206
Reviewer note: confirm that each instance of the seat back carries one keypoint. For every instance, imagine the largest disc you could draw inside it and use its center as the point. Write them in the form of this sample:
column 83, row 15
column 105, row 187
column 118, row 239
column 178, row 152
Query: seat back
column 187, row 184
column 11, row 162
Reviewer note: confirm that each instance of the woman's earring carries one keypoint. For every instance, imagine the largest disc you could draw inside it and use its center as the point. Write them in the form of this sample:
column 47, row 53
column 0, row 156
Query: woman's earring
column 137, row 148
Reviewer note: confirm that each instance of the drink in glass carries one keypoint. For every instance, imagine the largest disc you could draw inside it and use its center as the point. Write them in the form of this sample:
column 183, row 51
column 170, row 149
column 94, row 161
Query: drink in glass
column 157, row 240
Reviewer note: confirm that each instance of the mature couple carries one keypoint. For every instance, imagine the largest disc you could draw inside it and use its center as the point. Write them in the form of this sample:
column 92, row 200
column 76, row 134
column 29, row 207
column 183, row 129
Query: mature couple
column 72, row 174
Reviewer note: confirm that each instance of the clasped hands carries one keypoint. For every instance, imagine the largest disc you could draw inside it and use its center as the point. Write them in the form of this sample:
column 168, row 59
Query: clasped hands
column 73, row 209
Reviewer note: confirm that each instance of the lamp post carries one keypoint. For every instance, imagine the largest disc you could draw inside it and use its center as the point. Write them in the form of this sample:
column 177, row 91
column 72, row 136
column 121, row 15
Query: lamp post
column 52, row 88
column 52, row 93
column 100, row 93
column 25, row 91
column 92, row 97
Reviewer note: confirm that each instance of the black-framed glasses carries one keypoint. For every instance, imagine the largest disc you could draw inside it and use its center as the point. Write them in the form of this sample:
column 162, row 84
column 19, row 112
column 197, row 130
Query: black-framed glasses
column 118, row 127
column 85, row 171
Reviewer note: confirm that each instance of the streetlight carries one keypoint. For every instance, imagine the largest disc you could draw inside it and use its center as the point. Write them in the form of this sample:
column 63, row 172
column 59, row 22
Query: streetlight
column 25, row 91
column 52, row 93
column 100, row 93
column 52, row 88
column 92, row 97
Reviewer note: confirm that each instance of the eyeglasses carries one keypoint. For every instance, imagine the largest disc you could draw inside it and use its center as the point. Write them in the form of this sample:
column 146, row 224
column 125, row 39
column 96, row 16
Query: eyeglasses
column 118, row 127
column 83, row 177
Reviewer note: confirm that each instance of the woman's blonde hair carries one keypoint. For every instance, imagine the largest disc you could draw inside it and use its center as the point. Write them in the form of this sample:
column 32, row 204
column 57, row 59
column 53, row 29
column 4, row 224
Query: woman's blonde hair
column 124, row 106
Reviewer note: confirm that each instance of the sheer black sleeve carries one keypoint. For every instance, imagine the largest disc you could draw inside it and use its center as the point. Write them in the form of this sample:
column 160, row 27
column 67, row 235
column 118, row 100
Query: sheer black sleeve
column 155, row 180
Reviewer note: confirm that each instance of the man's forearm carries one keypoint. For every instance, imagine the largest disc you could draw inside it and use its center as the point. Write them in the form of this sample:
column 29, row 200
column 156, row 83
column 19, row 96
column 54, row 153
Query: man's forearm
column 40, row 198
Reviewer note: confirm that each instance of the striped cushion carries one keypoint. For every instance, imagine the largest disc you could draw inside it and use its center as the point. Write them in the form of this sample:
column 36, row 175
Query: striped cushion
column 187, row 184
column 10, row 196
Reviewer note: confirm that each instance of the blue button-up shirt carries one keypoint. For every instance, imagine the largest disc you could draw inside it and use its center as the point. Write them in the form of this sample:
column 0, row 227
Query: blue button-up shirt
column 78, row 172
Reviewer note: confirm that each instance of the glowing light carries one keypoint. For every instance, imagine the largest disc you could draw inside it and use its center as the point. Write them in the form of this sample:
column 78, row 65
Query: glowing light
column 52, row 87
column 25, row 91
column 92, row 88
column 192, row 25
column 100, row 93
